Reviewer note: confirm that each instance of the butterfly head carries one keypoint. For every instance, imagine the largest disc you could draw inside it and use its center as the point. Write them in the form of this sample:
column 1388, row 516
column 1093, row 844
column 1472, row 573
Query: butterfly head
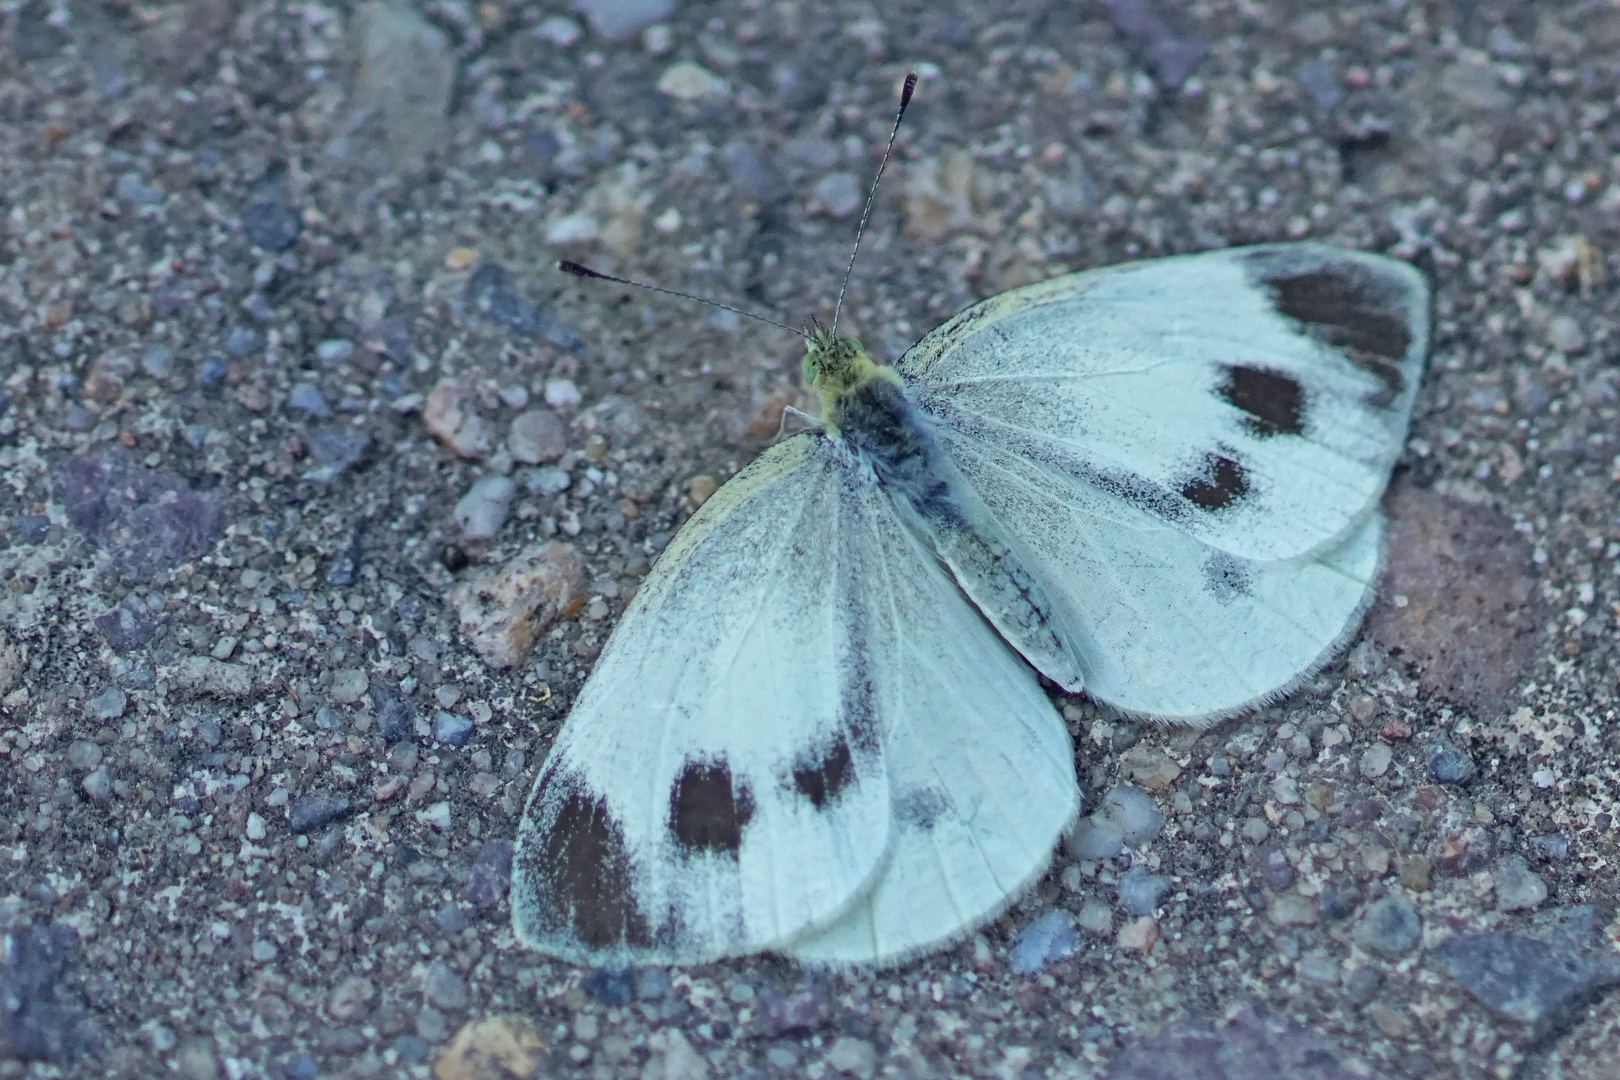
column 836, row 365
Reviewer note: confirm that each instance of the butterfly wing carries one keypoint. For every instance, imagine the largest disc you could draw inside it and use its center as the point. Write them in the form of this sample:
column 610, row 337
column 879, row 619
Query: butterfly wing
column 719, row 786
column 980, row 766
column 1253, row 398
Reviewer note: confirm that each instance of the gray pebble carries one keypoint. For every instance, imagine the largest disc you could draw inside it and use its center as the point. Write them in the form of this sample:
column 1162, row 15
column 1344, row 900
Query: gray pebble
column 1274, row 865
column 1518, row 888
column 537, row 436
column 307, row 397
column 1096, row 916
column 312, row 811
column 108, row 705
column 1049, row 937
column 431, row 1025
column 1527, row 980
column 1565, row 334
column 84, row 754
column 547, row 481
column 482, row 511
column 652, row 983
column 1140, row 890
column 334, row 350
column 451, row 730
column 328, row 719
column 158, row 361
column 1554, row 847
column 412, row 1049
column 1362, row 983
column 839, row 193
column 1135, row 812
column 445, row 988
column 1390, row 928
column 450, row 917
column 619, row 19
column 1096, row 837
column 1449, row 765
column 243, row 341
column 98, row 783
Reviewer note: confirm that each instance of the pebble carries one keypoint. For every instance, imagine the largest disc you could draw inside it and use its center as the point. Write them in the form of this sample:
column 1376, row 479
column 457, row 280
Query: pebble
column 452, row 730
column 652, row 983
column 611, row 986
column 537, row 436
column 547, row 480
column 394, row 714
column 490, row 875
column 349, row 685
column 449, row 417
column 515, row 396
column 1274, row 865
column 108, row 705
column 500, row 1046
column 1151, row 767
column 1096, row 916
column 1139, row 935
column 483, row 510
column 1135, row 812
column 1553, row 847
column 158, row 361
column 1049, row 937
column 1375, row 760
column 1449, row 765
column 444, row 987
column 1528, row 980
column 243, row 341
column 1095, row 837
column 1292, row 909
column 271, row 224
column 334, row 350
column 1518, row 888
column 97, row 783
column 255, row 828
column 437, row 816
column 562, row 394
column 618, row 20
column 839, row 194
column 1565, row 334
column 401, row 90
column 335, row 449
column 307, row 397
column 1390, row 928
column 853, row 1057
column 126, row 628
column 560, row 30
column 688, row 81
column 1140, row 890
column 263, row 951
column 313, row 811
column 503, row 609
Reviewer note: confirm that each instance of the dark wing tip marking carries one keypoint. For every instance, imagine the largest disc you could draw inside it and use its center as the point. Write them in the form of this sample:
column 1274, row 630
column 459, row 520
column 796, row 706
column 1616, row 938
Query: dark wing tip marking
column 1221, row 482
column 581, row 872
column 707, row 811
column 1349, row 308
column 1274, row 400
column 821, row 775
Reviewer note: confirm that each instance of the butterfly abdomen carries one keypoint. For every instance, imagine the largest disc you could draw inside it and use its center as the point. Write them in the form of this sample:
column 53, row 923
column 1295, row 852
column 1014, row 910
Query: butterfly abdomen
column 877, row 421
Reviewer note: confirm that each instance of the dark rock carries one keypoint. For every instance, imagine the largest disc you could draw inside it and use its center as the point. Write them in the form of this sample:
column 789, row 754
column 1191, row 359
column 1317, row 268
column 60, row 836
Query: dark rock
column 1390, row 928
column 490, row 875
column 451, row 729
column 270, row 223
column 1274, row 865
column 611, row 987
column 1363, row 984
column 1533, row 980
column 345, row 566
column 335, row 449
column 312, row 811
column 1246, row 1044
column 1338, row 897
column 450, row 917
column 211, row 372
column 35, row 36
column 32, row 528
column 492, row 291
column 395, row 716
column 444, row 987
column 147, row 519
column 299, row 1066
column 652, row 983
column 412, row 1049
column 1553, row 847
column 243, row 341
column 799, row 1013
column 1450, row 765
column 41, row 1018
column 126, row 628
column 1150, row 32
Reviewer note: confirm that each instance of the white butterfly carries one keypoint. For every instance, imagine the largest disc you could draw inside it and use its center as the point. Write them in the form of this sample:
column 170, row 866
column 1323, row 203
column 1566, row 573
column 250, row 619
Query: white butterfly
column 818, row 728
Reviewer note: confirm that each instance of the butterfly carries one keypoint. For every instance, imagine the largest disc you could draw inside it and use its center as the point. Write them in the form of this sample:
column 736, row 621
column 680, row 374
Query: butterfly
column 819, row 727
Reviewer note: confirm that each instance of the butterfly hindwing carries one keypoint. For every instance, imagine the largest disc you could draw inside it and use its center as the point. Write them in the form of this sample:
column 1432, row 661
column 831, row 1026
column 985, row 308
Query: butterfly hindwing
column 719, row 786
column 1253, row 398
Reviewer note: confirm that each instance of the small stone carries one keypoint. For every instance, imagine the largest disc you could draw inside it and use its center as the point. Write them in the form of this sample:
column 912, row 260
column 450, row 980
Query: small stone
column 444, row 988
column 611, row 986
column 255, row 827
column 652, row 983
column 109, row 705
column 1554, row 847
column 399, row 104
column 537, row 436
column 1375, row 760
column 562, row 394
column 1565, row 334
column 1518, row 888
column 351, row 999
column 208, row 676
column 1392, row 1023
column 1096, row 916
column 307, row 397
column 84, row 754
column 436, row 816
column 701, row 488
column 1256, row 829
column 1049, row 937
column 452, row 730
column 547, row 480
column 839, row 194
column 1135, row 812
column 502, row 610
column 158, row 361
column 449, row 416
column 313, row 811
column 687, row 81
column 619, row 20
column 1151, row 767
column 97, row 783
column 348, row 685
column 1415, row 871
column 263, row 951
column 1390, row 928
column 1529, row 980
column 490, row 875
column 1096, row 837
column 334, row 350
column 562, row 32
column 483, row 510
column 1449, row 765
column 1292, row 909
column 1140, row 890
column 270, row 223
column 1274, row 865
column 497, row 1047
column 334, row 449
column 853, row 1057
column 1139, row 935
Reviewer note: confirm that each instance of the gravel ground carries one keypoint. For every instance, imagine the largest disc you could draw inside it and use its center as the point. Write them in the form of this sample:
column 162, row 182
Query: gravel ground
column 322, row 490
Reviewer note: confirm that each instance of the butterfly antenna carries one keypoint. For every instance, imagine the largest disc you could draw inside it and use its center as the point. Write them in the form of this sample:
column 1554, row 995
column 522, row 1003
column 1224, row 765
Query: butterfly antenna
column 568, row 266
column 871, row 196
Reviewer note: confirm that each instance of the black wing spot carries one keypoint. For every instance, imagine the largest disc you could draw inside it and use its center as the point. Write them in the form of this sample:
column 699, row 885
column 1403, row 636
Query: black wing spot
column 1351, row 311
column 1220, row 483
column 1275, row 401
column 822, row 775
column 582, row 872
column 706, row 810
column 1226, row 577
